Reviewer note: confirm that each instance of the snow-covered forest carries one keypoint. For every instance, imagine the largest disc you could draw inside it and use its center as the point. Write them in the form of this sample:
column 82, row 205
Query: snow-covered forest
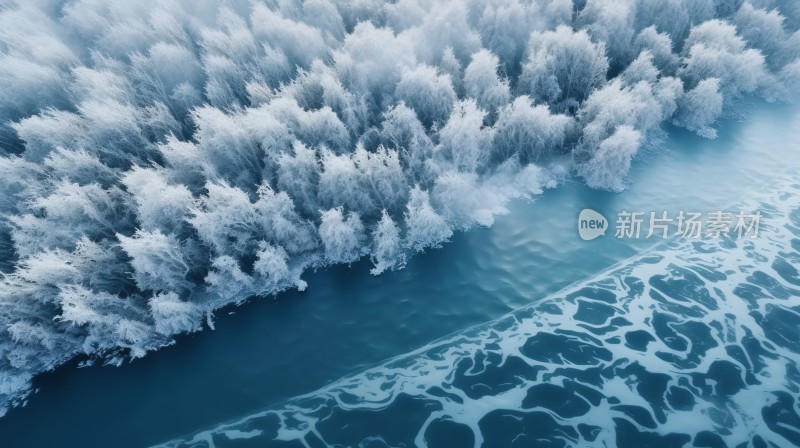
column 161, row 160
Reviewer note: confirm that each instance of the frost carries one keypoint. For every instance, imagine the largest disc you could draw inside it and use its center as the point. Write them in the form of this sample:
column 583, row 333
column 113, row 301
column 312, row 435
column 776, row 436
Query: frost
column 387, row 252
column 157, row 261
column 563, row 67
column 174, row 316
column 481, row 81
column 343, row 237
column 612, row 159
column 531, row 132
column 701, row 107
column 426, row 228
column 428, row 93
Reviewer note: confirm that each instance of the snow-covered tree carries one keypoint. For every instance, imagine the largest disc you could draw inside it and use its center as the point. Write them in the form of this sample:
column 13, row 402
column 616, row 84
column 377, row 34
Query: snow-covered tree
column 173, row 315
column 763, row 29
column 465, row 201
column 231, row 152
column 402, row 131
column 424, row 227
column 341, row 183
column 387, row 251
column 563, row 67
column 700, row 108
column 612, row 160
column 531, row 132
column 464, row 140
column 659, row 45
column 312, row 127
column 226, row 283
column 714, row 50
column 505, row 27
column 159, row 206
column 641, row 69
column 382, row 178
column 272, row 268
column 298, row 175
column 481, row 82
column 280, row 223
column 157, row 260
column 371, row 61
column 343, row 237
column 428, row 93
column 612, row 23
column 225, row 220
column 301, row 42
column 616, row 112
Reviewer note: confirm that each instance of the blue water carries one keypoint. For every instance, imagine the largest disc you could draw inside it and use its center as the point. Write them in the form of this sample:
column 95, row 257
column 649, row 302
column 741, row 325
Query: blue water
column 683, row 339
column 690, row 342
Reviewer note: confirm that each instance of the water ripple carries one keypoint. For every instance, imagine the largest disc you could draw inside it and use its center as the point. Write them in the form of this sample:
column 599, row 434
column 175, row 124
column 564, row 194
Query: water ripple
column 689, row 342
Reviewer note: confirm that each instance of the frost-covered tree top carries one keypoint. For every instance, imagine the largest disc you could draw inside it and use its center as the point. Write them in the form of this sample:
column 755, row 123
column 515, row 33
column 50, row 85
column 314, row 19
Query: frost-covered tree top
column 161, row 160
